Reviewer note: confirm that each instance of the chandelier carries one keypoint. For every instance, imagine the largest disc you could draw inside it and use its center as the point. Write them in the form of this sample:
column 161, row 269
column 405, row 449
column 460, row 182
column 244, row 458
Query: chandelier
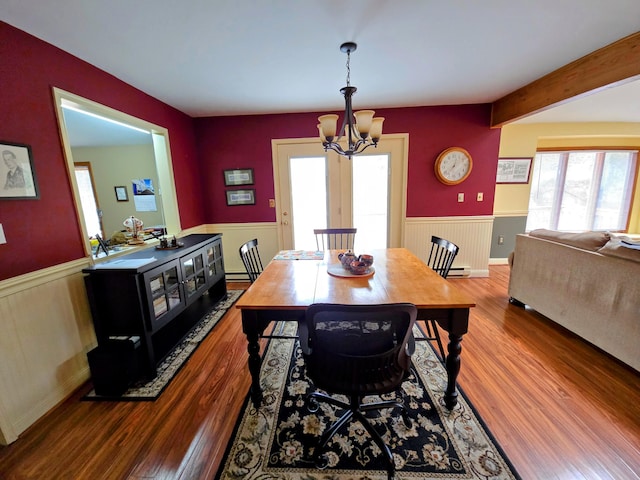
column 366, row 130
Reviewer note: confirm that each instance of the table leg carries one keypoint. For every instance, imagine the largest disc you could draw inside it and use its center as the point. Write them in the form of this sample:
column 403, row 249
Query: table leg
column 253, row 326
column 255, row 362
column 453, row 368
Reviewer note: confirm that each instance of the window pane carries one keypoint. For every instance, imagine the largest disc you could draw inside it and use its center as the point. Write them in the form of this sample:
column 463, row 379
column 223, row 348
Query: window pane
column 613, row 196
column 370, row 201
column 88, row 201
column 574, row 208
column 546, row 168
column 308, row 198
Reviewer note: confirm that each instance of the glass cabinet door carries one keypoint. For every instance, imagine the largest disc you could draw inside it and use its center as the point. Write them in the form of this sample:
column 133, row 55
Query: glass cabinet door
column 215, row 267
column 193, row 273
column 164, row 292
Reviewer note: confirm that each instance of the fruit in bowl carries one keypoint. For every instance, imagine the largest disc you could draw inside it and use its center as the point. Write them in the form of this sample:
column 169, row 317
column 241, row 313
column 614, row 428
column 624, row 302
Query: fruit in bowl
column 358, row 267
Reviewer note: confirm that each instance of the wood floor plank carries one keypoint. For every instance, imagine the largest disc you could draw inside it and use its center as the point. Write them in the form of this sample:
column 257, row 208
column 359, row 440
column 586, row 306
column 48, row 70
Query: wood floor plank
column 559, row 407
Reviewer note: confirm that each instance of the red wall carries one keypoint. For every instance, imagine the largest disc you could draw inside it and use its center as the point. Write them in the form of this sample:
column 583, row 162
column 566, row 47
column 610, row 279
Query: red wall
column 245, row 142
column 41, row 233
column 44, row 232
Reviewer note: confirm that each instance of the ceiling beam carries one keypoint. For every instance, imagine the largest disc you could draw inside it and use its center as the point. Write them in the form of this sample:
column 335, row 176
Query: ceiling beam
column 607, row 67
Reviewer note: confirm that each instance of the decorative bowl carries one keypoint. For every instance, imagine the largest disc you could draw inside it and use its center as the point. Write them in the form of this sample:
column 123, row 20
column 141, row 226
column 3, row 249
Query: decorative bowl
column 358, row 268
column 368, row 259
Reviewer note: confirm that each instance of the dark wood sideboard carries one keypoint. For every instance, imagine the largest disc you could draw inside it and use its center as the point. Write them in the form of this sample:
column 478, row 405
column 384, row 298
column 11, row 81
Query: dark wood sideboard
column 145, row 302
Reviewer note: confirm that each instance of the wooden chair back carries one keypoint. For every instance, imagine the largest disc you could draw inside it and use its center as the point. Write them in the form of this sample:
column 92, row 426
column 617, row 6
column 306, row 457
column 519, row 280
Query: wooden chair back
column 335, row 238
column 442, row 254
column 250, row 256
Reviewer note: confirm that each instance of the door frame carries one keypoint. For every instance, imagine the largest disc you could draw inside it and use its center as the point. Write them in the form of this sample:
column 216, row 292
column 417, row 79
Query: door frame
column 397, row 144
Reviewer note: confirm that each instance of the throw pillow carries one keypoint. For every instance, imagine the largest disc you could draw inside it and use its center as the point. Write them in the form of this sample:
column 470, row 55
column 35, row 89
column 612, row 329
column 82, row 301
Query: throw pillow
column 586, row 240
column 617, row 248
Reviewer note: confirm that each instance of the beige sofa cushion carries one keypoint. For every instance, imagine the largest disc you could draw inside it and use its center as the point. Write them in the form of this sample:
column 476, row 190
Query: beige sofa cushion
column 617, row 248
column 592, row 241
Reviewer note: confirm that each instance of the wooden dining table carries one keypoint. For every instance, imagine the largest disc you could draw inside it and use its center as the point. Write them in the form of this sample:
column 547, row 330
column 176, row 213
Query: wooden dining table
column 288, row 286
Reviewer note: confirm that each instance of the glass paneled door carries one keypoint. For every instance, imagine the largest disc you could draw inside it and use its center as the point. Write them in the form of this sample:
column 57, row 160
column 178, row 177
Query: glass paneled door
column 317, row 189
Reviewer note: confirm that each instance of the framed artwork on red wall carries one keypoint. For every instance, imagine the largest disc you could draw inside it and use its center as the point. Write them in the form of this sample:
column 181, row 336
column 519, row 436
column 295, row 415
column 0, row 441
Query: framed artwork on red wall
column 241, row 197
column 17, row 173
column 242, row 176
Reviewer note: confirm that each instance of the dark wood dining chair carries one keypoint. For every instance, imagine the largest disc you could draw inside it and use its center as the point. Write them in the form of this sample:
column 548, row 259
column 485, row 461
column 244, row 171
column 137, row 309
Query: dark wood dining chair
column 441, row 257
column 357, row 351
column 250, row 256
column 335, row 238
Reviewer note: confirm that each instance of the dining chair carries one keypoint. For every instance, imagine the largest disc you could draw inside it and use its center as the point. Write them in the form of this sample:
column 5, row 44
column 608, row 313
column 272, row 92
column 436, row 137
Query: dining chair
column 357, row 351
column 250, row 256
column 441, row 257
column 335, row 238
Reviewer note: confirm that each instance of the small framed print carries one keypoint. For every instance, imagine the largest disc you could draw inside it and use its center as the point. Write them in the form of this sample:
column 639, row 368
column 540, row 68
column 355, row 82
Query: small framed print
column 121, row 193
column 241, row 197
column 17, row 175
column 243, row 176
column 513, row 170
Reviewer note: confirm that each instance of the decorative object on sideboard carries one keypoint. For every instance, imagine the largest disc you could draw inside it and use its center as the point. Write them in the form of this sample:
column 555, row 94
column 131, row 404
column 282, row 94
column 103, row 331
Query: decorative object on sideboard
column 366, row 131
column 134, row 228
column 169, row 244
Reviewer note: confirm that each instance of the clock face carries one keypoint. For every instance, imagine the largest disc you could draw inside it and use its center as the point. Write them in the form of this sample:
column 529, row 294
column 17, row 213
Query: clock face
column 453, row 166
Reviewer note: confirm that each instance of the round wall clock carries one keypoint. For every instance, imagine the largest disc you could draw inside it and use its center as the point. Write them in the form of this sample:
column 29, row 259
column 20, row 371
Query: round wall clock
column 453, row 166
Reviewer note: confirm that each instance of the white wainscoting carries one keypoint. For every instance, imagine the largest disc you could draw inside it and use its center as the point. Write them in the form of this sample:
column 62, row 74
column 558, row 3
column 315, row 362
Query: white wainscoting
column 46, row 332
column 471, row 234
column 235, row 234
column 46, row 327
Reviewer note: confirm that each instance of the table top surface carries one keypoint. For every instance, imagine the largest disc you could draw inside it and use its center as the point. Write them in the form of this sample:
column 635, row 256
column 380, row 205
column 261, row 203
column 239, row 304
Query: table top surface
column 399, row 276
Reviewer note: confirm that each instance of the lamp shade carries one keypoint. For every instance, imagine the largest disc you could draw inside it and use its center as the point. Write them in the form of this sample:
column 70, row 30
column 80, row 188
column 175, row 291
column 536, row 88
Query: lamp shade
column 328, row 126
column 363, row 121
column 323, row 139
column 376, row 128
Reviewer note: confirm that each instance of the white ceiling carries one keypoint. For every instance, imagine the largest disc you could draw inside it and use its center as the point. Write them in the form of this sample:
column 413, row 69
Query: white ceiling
column 231, row 57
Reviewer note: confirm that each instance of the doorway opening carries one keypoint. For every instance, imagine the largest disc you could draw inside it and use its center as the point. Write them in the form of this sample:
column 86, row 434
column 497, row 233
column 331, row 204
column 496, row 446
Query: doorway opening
column 157, row 143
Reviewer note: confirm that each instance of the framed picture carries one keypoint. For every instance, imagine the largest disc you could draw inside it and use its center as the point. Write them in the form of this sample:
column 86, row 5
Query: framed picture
column 121, row 193
column 243, row 176
column 513, row 170
column 241, row 197
column 17, row 175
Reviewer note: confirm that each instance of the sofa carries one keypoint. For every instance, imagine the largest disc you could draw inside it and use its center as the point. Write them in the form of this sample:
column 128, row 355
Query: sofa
column 587, row 282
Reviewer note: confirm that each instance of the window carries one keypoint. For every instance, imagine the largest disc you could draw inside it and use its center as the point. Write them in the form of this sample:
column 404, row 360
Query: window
column 582, row 190
column 90, row 208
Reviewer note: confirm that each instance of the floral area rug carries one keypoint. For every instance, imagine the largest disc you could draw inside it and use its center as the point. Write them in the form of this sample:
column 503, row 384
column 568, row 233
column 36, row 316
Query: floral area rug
column 176, row 358
column 277, row 440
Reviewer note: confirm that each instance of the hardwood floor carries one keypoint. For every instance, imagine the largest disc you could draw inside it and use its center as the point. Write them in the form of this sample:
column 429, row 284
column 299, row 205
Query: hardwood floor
column 559, row 408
